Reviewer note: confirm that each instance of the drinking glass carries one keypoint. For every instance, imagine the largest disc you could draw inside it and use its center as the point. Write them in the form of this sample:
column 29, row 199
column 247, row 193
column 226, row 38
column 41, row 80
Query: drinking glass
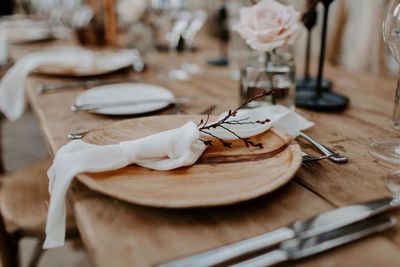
column 180, row 18
column 199, row 17
column 389, row 150
column 278, row 76
column 171, row 18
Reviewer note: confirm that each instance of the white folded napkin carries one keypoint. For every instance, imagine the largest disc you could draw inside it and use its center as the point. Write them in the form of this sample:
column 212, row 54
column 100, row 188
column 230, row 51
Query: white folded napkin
column 12, row 95
column 280, row 117
column 164, row 151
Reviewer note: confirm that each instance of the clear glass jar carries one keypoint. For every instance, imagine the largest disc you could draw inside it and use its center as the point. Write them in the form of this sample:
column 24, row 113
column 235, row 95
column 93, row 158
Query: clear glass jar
column 272, row 71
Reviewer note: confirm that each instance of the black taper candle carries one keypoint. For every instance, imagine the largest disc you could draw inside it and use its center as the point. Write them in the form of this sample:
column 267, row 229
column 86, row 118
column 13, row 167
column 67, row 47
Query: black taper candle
column 309, row 20
column 326, row 4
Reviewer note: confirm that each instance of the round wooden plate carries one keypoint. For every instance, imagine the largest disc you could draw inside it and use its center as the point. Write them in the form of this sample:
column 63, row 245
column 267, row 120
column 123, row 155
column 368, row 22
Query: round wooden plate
column 106, row 61
column 221, row 176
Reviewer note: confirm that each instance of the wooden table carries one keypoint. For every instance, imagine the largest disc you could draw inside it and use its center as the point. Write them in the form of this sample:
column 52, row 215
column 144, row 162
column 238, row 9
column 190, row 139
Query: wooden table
column 120, row 234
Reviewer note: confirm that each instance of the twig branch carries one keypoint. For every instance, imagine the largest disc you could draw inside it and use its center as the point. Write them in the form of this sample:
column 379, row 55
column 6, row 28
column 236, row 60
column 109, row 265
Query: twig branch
column 232, row 113
column 204, row 128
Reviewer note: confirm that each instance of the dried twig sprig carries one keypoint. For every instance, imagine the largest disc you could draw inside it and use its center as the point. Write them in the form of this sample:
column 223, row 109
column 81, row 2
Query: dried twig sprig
column 204, row 127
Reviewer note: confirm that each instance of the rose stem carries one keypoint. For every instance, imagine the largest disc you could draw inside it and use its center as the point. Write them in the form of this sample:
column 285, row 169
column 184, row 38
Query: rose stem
column 268, row 66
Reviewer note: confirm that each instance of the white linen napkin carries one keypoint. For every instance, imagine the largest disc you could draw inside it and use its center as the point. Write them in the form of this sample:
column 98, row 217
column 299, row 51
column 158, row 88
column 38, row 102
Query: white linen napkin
column 164, row 151
column 12, row 94
column 3, row 45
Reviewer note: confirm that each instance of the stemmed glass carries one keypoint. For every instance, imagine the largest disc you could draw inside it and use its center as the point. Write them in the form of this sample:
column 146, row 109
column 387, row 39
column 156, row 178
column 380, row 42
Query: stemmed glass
column 172, row 19
column 199, row 17
column 180, row 18
column 389, row 150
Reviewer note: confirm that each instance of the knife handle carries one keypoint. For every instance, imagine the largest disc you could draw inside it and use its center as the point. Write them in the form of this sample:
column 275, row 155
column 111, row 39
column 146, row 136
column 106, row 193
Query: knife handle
column 265, row 260
column 234, row 250
column 44, row 88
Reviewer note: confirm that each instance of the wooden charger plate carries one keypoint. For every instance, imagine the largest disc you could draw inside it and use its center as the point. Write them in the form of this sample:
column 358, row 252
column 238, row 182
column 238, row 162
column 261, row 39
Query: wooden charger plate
column 221, row 176
column 106, row 62
column 58, row 70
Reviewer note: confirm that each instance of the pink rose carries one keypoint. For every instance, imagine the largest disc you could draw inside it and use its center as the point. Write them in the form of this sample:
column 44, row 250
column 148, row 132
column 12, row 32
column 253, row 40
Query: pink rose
column 268, row 25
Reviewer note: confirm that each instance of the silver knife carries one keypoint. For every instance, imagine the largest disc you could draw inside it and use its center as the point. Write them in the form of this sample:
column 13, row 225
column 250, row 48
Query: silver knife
column 319, row 224
column 47, row 88
column 300, row 248
column 94, row 106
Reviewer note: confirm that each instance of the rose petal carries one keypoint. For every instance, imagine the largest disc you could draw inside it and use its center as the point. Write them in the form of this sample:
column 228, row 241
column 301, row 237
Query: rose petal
column 268, row 25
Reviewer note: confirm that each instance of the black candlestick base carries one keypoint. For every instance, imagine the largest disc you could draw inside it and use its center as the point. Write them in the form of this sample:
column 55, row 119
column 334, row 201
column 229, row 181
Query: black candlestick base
column 328, row 101
column 222, row 61
column 303, row 84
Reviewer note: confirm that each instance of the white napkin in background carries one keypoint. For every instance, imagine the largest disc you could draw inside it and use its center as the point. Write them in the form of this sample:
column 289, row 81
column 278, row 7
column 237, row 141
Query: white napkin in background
column 12, row 94
column 18, row 29
column 3, row 45
column 162, row 151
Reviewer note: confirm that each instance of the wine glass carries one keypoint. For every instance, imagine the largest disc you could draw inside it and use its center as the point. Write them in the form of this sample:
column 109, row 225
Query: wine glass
column 389, row 150
column 171, row 19
column 199, row 17
column 181, row 18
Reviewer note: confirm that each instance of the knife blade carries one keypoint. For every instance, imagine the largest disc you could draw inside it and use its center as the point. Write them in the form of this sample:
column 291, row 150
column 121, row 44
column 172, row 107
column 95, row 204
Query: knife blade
column 94, row 106
column 324, row 222
column 47, row 88
column 304, row 247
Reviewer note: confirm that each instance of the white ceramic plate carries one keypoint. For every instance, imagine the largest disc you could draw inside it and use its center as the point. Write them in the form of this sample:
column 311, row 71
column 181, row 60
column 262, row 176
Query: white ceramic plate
column 125, row 92
column 101, row 62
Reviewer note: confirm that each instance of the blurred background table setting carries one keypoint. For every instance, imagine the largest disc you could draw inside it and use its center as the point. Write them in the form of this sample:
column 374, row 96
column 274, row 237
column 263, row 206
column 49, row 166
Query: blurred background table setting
column 198, row 133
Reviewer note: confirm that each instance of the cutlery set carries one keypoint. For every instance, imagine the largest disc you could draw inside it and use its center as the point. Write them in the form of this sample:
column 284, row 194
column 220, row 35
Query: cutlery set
column 301, row 238
column 330, row 154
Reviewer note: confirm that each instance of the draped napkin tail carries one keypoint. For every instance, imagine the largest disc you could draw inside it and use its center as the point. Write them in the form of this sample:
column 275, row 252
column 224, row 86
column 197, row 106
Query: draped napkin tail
column 162, row 151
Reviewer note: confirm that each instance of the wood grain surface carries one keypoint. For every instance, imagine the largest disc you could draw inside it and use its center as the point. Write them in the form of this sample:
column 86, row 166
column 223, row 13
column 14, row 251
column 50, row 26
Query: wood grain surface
column 222, row 176
column 117, row 233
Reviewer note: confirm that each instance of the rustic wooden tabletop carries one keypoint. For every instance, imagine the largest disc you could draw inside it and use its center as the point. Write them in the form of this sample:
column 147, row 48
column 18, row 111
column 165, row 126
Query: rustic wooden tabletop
column 121, row 234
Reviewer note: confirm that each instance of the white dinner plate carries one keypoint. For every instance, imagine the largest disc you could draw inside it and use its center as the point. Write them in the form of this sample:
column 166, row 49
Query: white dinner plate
column 125, row 92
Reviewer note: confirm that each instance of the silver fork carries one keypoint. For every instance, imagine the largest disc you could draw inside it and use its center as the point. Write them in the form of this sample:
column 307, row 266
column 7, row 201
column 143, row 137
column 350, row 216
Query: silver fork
column 332, row 155
column 309, row 158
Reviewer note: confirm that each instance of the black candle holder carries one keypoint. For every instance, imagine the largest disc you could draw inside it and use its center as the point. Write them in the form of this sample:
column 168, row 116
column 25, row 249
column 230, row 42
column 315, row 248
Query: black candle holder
column 317, row 98
column 307, row 82
column 222, row 21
